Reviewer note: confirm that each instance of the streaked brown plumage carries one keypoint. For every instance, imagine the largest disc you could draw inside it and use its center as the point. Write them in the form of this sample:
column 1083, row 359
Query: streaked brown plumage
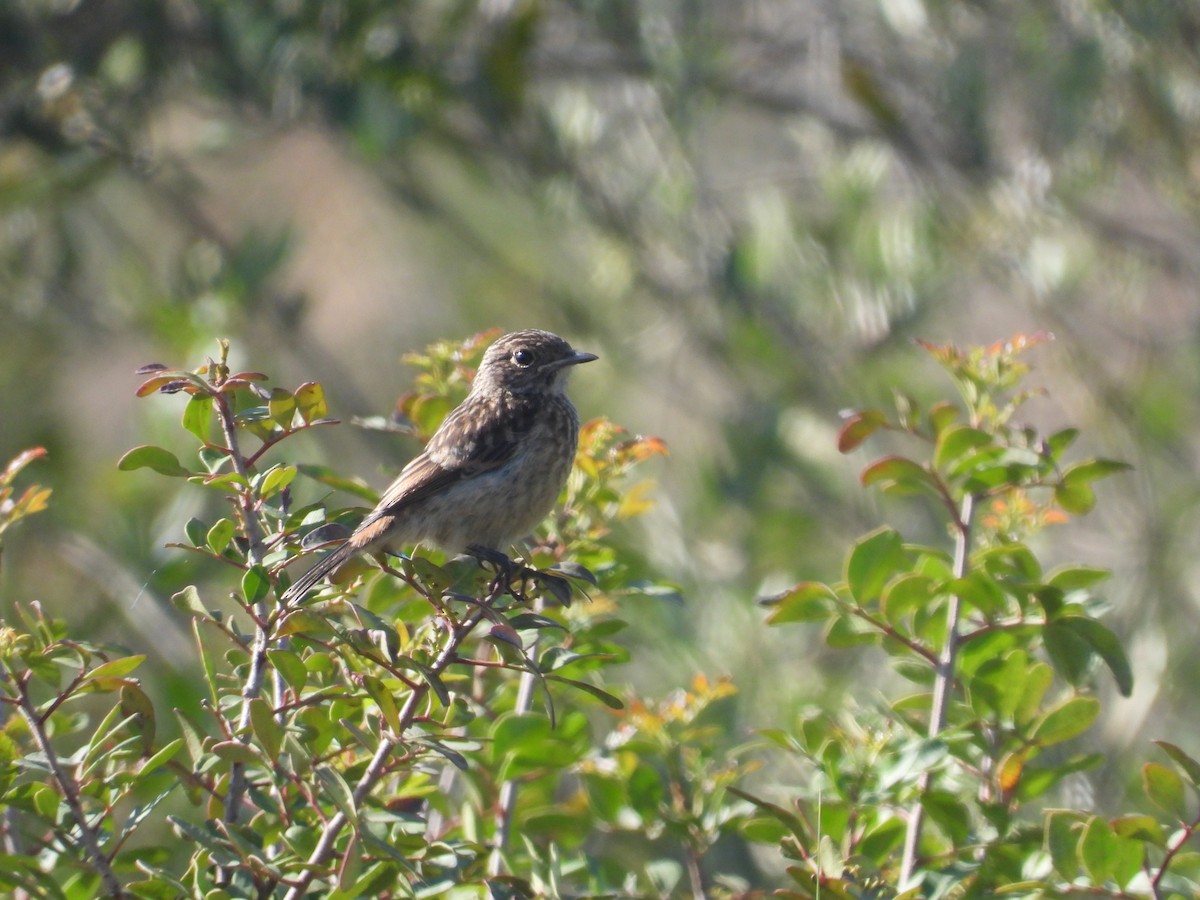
column 492, row 470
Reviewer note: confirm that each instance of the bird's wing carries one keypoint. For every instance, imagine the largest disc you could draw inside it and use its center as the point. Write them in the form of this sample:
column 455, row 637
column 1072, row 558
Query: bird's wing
column 475, row 438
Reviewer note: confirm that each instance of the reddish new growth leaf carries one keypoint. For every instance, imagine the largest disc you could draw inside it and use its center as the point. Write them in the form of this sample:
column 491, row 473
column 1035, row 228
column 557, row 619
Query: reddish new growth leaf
column 858, row 427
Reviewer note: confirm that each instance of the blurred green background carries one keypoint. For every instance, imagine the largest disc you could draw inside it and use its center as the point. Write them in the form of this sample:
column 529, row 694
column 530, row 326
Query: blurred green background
column 748, row 208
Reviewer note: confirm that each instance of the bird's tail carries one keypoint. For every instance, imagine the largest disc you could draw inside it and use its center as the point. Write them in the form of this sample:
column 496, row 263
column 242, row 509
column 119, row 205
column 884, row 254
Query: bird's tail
column 306, row 582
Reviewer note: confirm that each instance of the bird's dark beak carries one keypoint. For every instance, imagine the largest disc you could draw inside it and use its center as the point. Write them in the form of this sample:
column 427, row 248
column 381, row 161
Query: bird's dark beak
column 573, row 360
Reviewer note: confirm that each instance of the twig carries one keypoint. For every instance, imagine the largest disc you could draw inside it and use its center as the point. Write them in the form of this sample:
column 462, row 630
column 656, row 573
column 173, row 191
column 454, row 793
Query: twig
column 507, row 801
column 377, row 768
column 258, row 652
column 942, row 685
column 89, row 837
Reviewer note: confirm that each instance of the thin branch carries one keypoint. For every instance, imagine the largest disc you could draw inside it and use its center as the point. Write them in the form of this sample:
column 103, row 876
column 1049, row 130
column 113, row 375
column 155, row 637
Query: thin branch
column 942, row 686
column 89, row 837
column 506, row 803
column 258, row 653
column 378, row 765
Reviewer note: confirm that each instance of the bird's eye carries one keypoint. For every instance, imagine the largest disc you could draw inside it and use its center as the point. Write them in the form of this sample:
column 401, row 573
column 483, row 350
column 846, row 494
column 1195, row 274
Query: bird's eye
column 523, row 358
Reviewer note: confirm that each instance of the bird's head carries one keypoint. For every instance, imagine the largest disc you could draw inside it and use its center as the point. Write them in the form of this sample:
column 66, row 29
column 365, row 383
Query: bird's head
column 526, row 361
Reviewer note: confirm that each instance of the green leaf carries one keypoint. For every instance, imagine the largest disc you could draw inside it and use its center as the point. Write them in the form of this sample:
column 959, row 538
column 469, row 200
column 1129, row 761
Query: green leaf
column 116, row 668
column 162, row 757
column 1140, row 828
column 898, row 475
column 1097, row 849
column 1067, row 720
column 1191, row 767
column 949, row 813
column 1068, row 651
column 336, row 788
column 956, row 443
column 256, row 584
column 266, row 729
column 1075, row 498
column 1092, row 469
column 237, row 752
column 603, row 696
column 875, row 559
column 282, row 407
column 148, row 456
column 942, row 416
column 807, row 601
column 291, row 667
column 220, row 535
column 1072, row 631
column 275, row 480
column 310, row 401
column 1063, row 827
column 1060, row 441
column 980, row 591
column 1165, row 789
column 197, row 416
column 1077, row 578
column 384, row 700
column 903, row 593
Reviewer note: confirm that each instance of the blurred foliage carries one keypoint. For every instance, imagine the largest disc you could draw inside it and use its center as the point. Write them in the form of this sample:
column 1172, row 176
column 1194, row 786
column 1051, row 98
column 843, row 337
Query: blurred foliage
column 747, row 209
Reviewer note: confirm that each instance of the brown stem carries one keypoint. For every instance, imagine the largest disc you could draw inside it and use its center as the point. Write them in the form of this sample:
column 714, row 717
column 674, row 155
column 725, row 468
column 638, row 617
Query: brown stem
column 89, row 837
column 258, row 652
column 942, row 685
column 506, row 803
column 377, row 768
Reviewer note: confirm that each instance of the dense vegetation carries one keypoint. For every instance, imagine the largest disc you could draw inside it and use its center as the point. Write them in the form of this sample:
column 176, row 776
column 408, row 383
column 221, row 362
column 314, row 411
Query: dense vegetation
column 748, row 210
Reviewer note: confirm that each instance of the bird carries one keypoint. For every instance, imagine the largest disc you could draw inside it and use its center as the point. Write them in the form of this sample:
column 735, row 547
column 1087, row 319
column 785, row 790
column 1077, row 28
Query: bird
column 492, row 470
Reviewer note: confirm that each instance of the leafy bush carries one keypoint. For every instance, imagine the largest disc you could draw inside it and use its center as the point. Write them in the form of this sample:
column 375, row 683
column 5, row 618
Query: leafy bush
column 434, row 727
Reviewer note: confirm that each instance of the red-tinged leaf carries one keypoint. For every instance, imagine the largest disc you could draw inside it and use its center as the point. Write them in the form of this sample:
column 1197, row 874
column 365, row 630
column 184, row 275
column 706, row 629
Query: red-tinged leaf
column 148, row 368
column 1165, row 789
column 1191, row 768
column 249, row 376
column 153, row 384
column 858, row 427
column 644, row 447
column 229, row 385
column 20, row 461
column 148, row 456
column 897, row 474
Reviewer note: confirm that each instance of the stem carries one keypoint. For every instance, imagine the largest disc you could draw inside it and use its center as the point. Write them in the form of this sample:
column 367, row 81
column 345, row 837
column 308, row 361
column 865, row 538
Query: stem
column 1156, row 882
column 507, row 800
column 258, row 652
column 942, row 685
column 377, row 768
column 89, row 837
